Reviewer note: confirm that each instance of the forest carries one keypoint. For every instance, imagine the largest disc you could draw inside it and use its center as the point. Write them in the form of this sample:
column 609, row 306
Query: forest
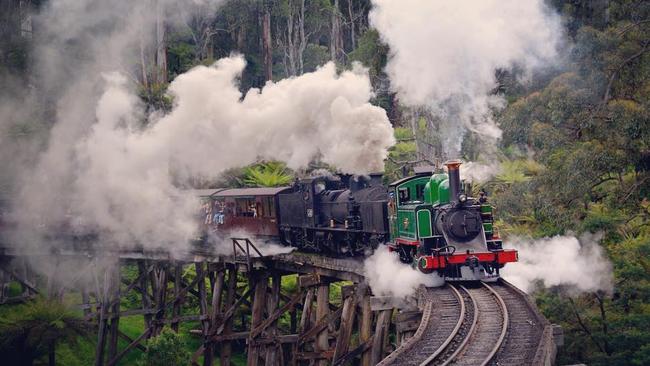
column 573, row 158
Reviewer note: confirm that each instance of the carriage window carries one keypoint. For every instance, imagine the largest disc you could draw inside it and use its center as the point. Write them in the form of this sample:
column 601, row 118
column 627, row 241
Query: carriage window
column 268, row 207
column 404, row 195
column 245, row 207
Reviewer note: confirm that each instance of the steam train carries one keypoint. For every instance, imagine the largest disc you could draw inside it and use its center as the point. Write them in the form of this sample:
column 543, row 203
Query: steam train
column 427, row 219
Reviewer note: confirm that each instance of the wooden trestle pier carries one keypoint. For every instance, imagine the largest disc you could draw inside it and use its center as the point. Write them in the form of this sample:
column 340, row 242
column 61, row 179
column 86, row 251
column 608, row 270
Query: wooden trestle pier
column 239, row 298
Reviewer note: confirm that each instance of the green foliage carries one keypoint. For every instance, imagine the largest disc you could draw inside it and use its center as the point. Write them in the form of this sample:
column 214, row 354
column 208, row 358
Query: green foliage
column 371, row 52
column 268, row 174
column 166, row 349
column 31, row 331
column 588, row 131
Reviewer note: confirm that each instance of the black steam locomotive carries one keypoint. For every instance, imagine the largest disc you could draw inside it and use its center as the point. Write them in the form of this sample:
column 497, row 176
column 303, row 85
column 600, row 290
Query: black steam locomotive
column 342, row 215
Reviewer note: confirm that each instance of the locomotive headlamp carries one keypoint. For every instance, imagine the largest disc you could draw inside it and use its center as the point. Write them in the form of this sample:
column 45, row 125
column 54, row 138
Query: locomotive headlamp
column 462, row 198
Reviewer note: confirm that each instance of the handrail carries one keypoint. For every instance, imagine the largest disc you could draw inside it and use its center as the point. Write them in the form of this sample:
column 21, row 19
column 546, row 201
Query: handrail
column 244, row 250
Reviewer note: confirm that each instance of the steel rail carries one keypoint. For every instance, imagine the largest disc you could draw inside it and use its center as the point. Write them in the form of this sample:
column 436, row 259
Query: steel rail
column 454, row 332
column 470, row 332
column 504, row 328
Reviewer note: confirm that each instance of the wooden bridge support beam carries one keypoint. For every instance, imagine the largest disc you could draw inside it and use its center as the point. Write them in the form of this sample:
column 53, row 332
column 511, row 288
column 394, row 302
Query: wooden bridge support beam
column 380, row 340
column 273, row 349
column 208, row 354
column 143, row 271
column 113, row 329
column 178, row 302
column 225, row 353
column 260, row 283
column 365, row 325
column 322, row 310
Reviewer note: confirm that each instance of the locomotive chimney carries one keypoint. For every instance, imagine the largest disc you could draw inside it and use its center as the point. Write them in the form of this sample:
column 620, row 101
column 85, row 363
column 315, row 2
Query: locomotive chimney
column 453, row 170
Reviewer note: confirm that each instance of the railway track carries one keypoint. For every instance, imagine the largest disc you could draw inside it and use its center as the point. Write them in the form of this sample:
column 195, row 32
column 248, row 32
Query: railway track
column 490, row 324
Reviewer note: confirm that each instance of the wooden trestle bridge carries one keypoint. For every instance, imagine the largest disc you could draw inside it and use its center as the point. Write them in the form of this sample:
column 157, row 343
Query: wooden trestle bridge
column 495, row 324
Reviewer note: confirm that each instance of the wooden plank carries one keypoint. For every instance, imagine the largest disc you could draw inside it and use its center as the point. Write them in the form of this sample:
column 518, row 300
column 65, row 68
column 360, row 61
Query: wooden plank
column 309, row 280
column 101, row 332
column 217, row 293
column 273, row 301
column 347, row 291
column 259, row 302
column 406, row 316
column 322, row 324
column 257, row 331
column 159, row 279
column 176, row 309
column 407, row 326
column 229, row 313
column 144, row 284
column 322, row 309
column 115, row 309
column 305, row 318
column 321, row 356
column 381, row 329
column 135, row 342
column 378, row 303
column 365, row 328
column 348, row 357
column 208, row 355
column 225, row 353
column 345, row 329
column 130, row 340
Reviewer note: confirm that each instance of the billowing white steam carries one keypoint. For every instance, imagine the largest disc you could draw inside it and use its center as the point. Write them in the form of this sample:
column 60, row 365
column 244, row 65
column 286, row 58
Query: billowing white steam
column 579, row 264
column 387, row 276
column 124, row 183
column 479, row 172
column 120, row 179
column 444, row 55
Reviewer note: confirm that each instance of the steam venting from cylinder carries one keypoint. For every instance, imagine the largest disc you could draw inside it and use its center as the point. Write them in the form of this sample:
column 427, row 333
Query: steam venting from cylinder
column 453, row 170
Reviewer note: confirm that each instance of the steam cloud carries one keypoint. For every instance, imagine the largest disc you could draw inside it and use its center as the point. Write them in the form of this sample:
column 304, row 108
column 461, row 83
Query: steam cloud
column 119, row 179
column 478, row 172
column 444, row 55
column 579, row 264
column 214, row 127
column 387, row 276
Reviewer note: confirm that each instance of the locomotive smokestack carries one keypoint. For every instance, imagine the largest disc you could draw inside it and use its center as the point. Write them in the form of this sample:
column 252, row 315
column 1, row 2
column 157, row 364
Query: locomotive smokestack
column 453, row 170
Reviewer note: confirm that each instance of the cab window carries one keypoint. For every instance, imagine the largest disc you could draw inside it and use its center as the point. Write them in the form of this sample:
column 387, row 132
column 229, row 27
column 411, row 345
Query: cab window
column 404, row 194
column 419, row 192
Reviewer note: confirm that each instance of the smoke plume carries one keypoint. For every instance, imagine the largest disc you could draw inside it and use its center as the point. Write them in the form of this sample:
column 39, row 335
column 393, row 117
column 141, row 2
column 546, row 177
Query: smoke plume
column 103, row 172
column 578, row 264
column 387, row 276
column 444, row 56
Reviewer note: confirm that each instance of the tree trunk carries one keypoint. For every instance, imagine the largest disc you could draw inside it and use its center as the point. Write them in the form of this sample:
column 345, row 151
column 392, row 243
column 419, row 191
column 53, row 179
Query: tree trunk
column 241, row 38
column 336, row 41
column 303, row 39
column 143, row 62
column 51, row 354
column 267, row 48
column 161, row 51
column 353, row 37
